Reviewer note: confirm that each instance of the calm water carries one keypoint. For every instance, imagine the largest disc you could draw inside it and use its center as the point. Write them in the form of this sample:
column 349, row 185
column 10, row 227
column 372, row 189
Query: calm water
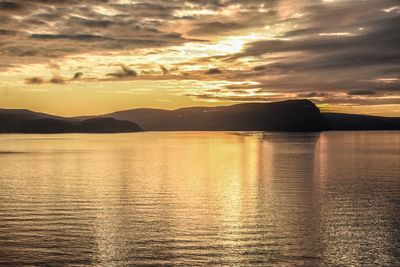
column 329, row 199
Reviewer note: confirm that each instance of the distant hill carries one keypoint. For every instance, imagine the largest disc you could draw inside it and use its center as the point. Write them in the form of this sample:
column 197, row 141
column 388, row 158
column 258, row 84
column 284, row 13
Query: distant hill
column 340, row 121
column 25, row 121
column 44, row 125
column 290, row 116
column 287, row 116
column 107, row 125
column 10, row 118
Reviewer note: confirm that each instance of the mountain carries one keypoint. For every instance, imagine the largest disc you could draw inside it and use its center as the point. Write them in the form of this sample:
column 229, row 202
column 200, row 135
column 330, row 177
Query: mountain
column 10, row 118
column 107, row 125
column 290, row 116
column 96, row 125
column 45, row 125
column 25, row 121
column 340, row 121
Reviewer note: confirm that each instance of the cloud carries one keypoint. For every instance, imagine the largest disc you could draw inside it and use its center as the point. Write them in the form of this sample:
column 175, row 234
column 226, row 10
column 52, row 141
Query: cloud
column 328, row 54
column 164, row 70
column 215, row 27
column 125, row 73
column 34, row 80
column 44, row 30
column 213, row 71
column 361, row 92
column 260, row 68
column 75, row 37
column 128, row 71
column 316, row 49
column 77, row 76
column 54, row 66
column 7, row 32
column 243, row 86
column 236, row 98
column 57, row 79
column 312, row 95
column 9, row 6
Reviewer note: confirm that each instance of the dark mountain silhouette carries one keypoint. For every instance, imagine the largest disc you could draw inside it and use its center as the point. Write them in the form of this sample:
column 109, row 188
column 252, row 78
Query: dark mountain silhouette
column 10, row 118
column 107, row 125
column 291, row 116
column 340, row 121
column 25, row 121
column 96, row 125
column 45, row 125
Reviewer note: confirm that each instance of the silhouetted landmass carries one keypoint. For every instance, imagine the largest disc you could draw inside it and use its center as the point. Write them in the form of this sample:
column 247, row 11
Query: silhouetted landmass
column 107, row 125
column 96, row 125
column 45, row 126
column 25, row 121
column 290, row 116
column 10, row 118
column 340, row 121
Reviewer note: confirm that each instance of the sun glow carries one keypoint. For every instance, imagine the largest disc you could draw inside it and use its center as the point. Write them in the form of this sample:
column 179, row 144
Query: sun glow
column 204, row 51
column 145, row 61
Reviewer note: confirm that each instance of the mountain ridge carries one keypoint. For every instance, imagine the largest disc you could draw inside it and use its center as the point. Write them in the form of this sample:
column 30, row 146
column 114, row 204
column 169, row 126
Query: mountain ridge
column 357, row 122
column 26, row 121
column 291, row 116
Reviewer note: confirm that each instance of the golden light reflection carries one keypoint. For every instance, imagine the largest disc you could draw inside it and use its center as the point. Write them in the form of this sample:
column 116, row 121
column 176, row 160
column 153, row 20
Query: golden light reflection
column 232, row 198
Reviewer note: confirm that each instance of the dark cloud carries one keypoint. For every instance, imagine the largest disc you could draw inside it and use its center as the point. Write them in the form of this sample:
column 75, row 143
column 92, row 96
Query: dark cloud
column 173, row 35
column 42, row 30
column 242, row 86
column 78, row 75
column 213, row 71
column 164, row 70
column 361, row 92
column 236, row 98
column 128, row 71
column 214, row 27
column 34, row 80
column 336, row 47
column 77, row 37
column 9, row 6
column 97, row 23
column 315, row 49
column 315, row 94
column 375, row 39
column 7, row 32
column 259, row 68
column 57, row 79
column 124, row 73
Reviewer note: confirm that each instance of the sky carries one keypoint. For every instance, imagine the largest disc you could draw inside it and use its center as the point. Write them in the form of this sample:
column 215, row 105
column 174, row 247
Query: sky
column 71, row 57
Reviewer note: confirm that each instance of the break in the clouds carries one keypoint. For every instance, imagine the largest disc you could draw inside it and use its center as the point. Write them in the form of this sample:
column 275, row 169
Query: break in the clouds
column 333, row 51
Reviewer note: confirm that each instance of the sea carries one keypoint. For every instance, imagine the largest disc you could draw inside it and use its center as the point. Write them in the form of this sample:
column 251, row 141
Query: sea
column 200, row 199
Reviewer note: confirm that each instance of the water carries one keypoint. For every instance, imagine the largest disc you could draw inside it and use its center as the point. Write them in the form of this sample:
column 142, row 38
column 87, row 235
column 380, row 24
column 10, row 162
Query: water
column 187, row 198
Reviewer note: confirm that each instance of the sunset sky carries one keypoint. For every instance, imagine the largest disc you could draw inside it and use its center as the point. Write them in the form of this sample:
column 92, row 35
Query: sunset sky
column 70, row 57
